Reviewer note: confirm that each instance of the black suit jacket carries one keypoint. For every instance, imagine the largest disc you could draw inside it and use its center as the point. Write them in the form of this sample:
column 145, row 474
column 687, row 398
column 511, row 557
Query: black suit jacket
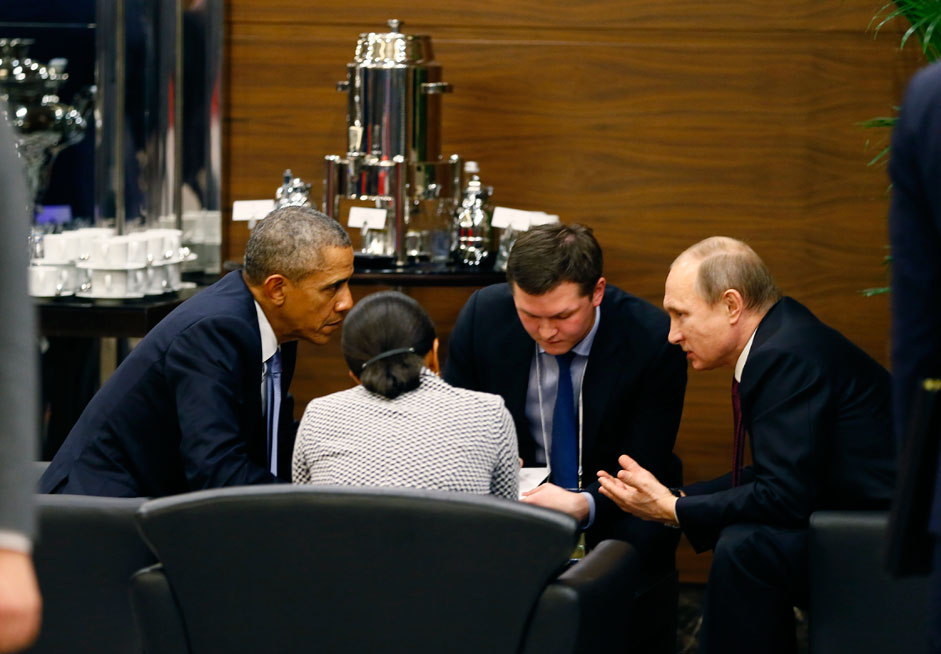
column 915, row 230
column 183, row 411
column 633, row 388
column 817, row 410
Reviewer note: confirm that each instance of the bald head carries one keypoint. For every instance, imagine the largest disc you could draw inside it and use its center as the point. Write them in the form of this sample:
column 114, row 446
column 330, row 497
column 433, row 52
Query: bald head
column 726, row 263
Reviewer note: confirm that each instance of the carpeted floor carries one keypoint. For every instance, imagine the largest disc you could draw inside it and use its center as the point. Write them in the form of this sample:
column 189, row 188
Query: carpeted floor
column 689, row 617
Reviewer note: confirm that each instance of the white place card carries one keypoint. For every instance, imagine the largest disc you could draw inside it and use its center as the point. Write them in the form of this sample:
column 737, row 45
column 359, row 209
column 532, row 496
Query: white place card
column 543, row 218
column 520, row 220
column 366, row 217
column 251, row 209
column 532, row 477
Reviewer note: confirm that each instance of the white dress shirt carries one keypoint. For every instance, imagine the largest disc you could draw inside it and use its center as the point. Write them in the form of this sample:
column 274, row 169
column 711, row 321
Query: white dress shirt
column 269, row 345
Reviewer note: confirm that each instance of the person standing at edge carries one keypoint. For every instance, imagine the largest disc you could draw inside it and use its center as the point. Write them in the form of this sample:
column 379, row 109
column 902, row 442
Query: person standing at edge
column 817, row 409
column 623, row 385
column 202, row 401
column 20, row 601
column 915, row 231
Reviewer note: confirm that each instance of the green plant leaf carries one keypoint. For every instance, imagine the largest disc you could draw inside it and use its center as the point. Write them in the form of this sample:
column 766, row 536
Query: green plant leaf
column 882, row 155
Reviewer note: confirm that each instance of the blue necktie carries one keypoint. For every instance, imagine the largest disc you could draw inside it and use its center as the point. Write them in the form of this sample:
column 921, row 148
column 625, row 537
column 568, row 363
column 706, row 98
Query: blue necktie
column 273, row 404
column 563, row 456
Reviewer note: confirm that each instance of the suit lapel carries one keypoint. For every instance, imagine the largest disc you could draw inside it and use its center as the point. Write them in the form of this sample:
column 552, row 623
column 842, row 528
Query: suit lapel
column 599, row 384
column 514, row 373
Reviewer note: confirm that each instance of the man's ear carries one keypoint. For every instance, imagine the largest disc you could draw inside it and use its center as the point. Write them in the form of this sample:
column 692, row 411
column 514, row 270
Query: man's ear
column 598, row 294
column 734, row 305
column 274, row 288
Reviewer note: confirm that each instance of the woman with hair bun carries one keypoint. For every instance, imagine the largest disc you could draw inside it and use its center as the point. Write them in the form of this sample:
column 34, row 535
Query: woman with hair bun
column 402, row 425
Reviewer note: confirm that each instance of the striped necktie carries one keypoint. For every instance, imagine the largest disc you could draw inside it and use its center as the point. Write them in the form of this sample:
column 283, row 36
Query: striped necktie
column 273, row 399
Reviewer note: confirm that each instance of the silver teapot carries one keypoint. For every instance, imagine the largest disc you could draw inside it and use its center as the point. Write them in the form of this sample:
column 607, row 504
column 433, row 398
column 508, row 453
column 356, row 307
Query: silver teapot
column 43, row 124
column 293, row 192
column 472, row 238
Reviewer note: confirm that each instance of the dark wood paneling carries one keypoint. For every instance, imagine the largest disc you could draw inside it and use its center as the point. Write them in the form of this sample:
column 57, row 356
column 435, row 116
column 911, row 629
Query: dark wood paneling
column 657, row 124
column 687, row 16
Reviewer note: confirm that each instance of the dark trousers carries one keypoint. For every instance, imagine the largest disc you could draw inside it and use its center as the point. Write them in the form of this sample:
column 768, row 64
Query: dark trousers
column 934, row 601
column 758, row 574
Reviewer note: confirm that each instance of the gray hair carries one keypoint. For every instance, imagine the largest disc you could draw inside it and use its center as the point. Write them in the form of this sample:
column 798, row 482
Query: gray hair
column 726, row 263
column 290, row 241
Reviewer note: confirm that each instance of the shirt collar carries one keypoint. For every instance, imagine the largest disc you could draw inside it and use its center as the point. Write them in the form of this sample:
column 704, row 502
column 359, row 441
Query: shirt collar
column 583, row 348
column 269, row 342
column 743, row 357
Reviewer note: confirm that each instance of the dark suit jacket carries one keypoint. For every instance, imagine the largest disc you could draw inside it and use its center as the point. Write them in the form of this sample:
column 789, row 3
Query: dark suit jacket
column 817, row 409
column 183, row 411
column 633, row 388
column 915, row 230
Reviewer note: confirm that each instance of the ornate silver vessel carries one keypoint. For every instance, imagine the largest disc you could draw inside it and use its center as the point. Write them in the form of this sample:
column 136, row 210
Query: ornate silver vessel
column 393, row 160
column 43, row 124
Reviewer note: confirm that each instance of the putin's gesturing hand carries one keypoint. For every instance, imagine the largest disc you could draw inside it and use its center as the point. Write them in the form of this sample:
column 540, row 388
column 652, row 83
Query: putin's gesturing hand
column 638, row 492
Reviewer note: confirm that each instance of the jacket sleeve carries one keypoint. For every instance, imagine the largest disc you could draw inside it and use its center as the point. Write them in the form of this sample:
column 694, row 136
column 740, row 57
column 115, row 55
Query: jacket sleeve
column 19, row 413
column 505, row 481
column 460, row 367
column 651, row 411
column 206, row 367
column 787, row 416
column 915, row 233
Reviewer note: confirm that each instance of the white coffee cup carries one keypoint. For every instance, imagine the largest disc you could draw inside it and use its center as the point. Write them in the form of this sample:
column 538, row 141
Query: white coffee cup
column 118, row 252
column 169, row 244
column 117, row 283
column 60, row 248
column 51, row 280
column 87, row 237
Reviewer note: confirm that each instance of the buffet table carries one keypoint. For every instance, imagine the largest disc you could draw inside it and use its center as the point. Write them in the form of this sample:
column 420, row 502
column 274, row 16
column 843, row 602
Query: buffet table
column 82, row 317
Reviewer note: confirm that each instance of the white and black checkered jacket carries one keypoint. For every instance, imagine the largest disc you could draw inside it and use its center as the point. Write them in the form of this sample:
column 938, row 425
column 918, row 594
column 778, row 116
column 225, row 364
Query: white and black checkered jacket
column 436, row 437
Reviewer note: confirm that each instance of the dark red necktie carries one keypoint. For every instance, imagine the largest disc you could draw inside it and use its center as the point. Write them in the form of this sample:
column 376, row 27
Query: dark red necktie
column 738, row 445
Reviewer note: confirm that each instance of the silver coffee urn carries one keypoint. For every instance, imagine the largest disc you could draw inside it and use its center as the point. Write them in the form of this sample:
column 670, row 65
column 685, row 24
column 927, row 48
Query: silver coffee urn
column 393, row 160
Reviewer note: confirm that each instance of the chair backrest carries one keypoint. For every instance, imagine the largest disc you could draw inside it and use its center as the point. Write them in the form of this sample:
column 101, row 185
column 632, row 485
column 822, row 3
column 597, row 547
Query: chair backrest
column 285, row 569
column 855, row 606
column 86, row 550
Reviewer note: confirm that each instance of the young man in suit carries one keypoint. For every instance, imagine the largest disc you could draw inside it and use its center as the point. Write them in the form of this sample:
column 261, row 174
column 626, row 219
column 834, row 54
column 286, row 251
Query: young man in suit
column 624, row 383
column 817, row 410
column 202, row 401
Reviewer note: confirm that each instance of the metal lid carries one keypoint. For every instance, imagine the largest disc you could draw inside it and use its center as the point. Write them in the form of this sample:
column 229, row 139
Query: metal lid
column 393, row 47
column 18, row 71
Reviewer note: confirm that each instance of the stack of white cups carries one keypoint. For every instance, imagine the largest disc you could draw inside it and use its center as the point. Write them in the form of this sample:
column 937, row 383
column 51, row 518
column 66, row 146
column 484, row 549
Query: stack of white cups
column 138, row 264
column 95, row 263
column 55, row 274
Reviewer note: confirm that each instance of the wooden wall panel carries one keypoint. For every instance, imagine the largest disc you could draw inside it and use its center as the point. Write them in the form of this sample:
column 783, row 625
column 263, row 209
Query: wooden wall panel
column 656, row 123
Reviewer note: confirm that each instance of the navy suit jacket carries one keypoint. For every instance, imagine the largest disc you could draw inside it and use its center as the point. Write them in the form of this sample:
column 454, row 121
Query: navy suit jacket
column 818, row 412
column 915, row 230
column 633, row 389
column 183, row 411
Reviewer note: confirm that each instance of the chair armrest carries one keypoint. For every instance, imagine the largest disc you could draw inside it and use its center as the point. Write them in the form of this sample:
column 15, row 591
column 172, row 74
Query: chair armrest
column 855, row 606
column 156, row 612
column 594, row 597
column 553, row 626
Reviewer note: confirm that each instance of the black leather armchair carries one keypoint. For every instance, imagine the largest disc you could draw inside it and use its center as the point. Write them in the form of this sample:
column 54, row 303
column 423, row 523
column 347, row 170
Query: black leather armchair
column 285, row 569
column 85, row 553
column 855, row 606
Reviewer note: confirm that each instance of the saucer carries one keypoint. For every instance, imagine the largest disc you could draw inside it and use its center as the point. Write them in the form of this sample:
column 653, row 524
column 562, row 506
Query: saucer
column 86, row 265
column 51, row 262
column 179, row 259
column 53, row 297
column 91, row 295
